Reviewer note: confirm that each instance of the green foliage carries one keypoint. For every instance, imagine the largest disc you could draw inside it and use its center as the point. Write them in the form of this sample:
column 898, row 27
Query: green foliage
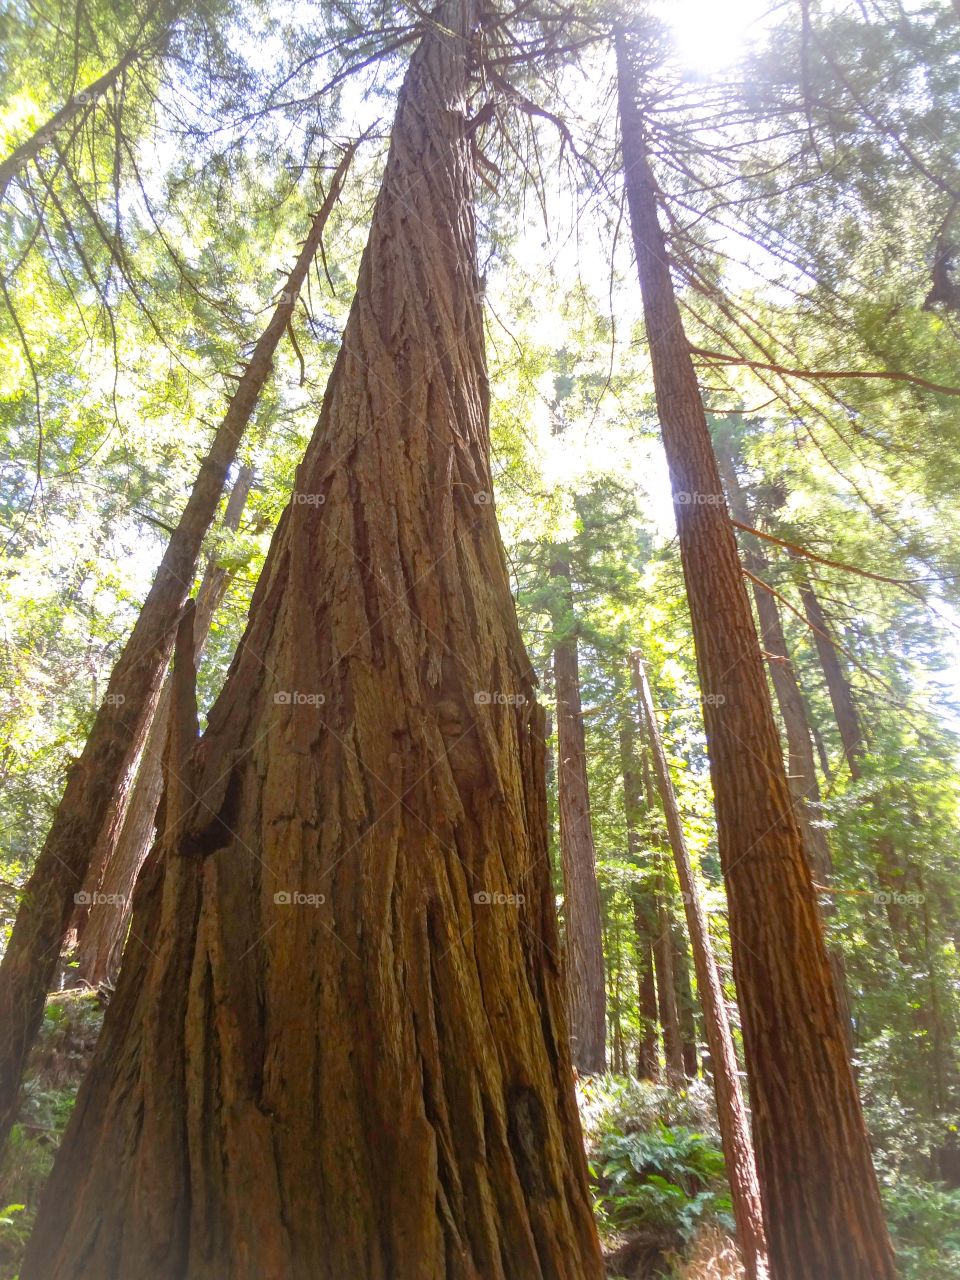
column 925, row 1225
column 670, row 1179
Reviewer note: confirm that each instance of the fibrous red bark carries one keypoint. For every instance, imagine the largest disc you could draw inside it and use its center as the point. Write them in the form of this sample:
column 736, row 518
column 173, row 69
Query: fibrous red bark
column 346, row 1052
column 93, row 801
column 822, row 1209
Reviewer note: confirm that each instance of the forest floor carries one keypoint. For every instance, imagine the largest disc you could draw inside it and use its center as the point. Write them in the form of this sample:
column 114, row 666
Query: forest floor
column 653, row 1151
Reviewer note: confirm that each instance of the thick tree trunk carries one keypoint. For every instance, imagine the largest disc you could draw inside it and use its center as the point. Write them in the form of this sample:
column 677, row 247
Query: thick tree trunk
column 644, row 910
column 581, row 895
column 731, row 1110
column 822, row 1209
column 101, row 922
column 801, row 763
column 346, row 1053
column 92, row 800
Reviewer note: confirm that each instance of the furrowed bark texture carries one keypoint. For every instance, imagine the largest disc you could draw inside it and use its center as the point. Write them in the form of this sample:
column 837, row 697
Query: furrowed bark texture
column 101, row 926
column 822, row 1210
column 731, row 1110
column 586, row 995
column 348, row 1055
column 92, row 800
column 801, row 763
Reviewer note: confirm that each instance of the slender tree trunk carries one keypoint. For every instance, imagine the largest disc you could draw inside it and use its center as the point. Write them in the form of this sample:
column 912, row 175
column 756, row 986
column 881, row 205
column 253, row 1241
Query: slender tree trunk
column 801, row 763
column 106, row 767
column 581, row 895
column 686, row 1006
column 101, row 923
column 667, row 993
column 71, row 113
column 644, row 910
column 345, row 1052
column 731, row 1110
column 822, row 1209
column 838, row 686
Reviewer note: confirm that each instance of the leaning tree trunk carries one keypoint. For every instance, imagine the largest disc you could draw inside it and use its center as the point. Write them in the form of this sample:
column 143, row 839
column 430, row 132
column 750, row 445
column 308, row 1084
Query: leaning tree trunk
column 581, row 895
column 686, row 1005
column 822, row 1209
column 801, row 763
column 75, row 110
column 644, row 909
column 731, row 1110
column 102, row 920
column 345, row 1052
column 92, row 799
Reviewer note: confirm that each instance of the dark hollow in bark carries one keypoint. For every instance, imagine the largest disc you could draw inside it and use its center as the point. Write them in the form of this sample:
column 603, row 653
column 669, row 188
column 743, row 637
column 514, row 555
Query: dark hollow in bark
column 822, row 1210
column 91, row 802
column 346, row 1053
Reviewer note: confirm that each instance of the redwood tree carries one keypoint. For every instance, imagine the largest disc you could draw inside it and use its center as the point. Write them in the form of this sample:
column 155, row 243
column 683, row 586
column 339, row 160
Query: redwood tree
column 101, row 922
column 822, row 1209
column 93, row 800
column 586, row 992
column 731, row 1110
column 345, row 1051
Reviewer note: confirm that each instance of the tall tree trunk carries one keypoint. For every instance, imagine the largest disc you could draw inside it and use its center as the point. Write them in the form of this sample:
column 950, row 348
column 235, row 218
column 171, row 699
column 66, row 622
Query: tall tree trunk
column 91, row 800
column 801, row 763
column 910, row 939
column 644, row 909
column 686, row 1006
column 838, row 686
column 731, row 1111
column 581, row 895
column 822, row 1209
column 667, row 992
column 101, row 922
column 346, row 1053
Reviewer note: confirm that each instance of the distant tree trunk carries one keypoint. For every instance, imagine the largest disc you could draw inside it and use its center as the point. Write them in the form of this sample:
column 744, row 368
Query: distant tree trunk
column 822, row 1207
column 344, row 1053
column 92, row 799
column 667, row 992
column 910, row 936
column 581, row 896
column 801, row 763
column 731, row 1110
column 644, row 909
column 686, row 1006
column 101, row 924
column 838, row 686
